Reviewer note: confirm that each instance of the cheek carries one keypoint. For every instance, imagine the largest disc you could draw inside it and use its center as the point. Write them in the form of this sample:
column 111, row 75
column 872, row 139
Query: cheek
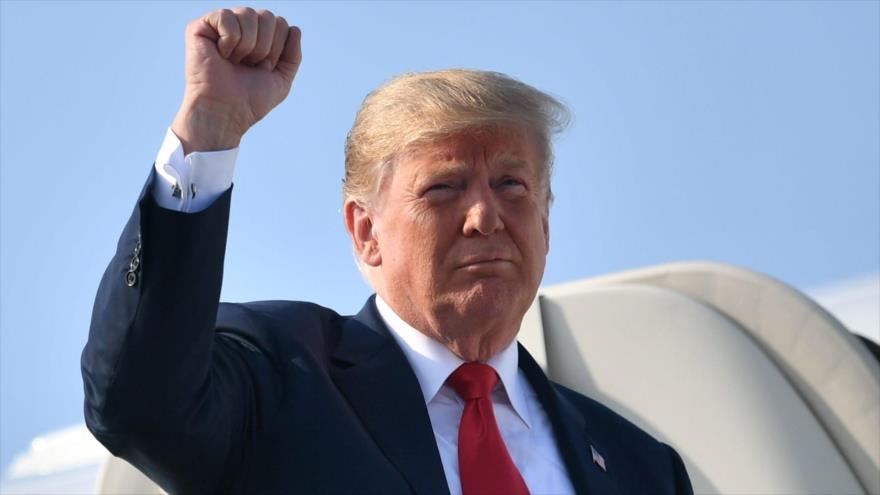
column 416, row 242
column 433, row 244
column 532, row 236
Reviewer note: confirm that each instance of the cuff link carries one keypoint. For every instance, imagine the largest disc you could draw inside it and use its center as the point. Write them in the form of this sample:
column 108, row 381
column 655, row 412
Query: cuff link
column 177, row 191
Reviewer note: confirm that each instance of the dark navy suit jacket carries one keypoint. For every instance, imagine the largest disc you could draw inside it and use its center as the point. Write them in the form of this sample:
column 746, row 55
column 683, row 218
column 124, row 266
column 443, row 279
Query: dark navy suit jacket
column 290, row 397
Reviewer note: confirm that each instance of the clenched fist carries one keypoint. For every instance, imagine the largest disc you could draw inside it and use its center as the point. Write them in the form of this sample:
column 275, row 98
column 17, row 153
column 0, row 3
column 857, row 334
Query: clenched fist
column 240, row 64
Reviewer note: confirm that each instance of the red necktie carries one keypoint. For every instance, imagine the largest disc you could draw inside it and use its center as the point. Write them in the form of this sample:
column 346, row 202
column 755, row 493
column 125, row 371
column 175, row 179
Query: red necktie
column 484, row 464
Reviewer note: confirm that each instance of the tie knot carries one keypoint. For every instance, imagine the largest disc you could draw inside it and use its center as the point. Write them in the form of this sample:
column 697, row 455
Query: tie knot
column 473, row 380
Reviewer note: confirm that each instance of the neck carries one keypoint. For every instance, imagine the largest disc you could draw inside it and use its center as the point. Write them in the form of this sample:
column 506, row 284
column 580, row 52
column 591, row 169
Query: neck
column 470, row 338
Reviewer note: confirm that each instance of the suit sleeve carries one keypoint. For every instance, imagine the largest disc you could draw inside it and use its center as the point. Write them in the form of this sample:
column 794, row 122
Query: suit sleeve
column 682, row 480
column 163, row 390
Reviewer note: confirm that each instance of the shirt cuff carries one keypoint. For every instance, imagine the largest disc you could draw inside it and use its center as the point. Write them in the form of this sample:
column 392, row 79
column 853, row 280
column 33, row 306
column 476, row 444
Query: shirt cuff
column 193, row 182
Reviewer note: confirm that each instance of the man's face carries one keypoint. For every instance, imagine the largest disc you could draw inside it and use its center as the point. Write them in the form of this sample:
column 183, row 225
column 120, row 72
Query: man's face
column 461, row 231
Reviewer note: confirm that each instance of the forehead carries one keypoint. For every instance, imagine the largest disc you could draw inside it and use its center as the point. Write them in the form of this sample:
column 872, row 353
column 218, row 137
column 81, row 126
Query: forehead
column 495, row 147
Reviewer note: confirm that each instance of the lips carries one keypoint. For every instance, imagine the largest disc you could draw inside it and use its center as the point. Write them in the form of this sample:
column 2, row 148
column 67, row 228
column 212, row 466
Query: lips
column 487, row 259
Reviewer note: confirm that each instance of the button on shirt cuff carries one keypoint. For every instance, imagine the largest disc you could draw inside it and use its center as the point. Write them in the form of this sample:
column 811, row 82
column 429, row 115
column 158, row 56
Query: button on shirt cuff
column 193, row 182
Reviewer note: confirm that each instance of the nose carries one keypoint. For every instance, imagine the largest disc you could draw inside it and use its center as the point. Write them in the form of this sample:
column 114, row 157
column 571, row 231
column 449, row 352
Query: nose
column 483, row 215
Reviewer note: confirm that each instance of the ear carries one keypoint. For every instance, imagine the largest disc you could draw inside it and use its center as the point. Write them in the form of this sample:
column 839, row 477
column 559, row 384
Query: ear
column 359, row 223
column 545, row 223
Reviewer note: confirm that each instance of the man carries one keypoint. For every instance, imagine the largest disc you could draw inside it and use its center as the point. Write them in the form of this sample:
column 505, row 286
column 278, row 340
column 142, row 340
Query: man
column 425, row 390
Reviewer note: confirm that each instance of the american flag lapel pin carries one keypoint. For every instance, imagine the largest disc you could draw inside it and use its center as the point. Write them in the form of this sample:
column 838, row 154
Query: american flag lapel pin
column 598, row 459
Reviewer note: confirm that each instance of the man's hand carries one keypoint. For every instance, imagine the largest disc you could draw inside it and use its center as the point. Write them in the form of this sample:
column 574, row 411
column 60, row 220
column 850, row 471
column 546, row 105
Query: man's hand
column 240, row 64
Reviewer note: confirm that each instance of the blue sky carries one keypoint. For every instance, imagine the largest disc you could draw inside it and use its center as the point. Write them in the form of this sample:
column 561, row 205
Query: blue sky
column 738, row 132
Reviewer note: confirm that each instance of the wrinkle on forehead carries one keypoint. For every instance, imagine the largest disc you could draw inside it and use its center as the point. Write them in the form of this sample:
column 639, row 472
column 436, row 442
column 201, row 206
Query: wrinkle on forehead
column 505, row 149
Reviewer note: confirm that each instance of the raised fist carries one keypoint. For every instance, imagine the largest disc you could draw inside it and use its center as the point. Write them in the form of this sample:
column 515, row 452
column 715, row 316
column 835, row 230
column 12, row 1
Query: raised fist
column 240, row 64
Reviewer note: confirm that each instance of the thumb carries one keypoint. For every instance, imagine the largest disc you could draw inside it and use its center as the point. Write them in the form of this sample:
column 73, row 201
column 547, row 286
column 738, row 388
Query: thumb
column 291, row 56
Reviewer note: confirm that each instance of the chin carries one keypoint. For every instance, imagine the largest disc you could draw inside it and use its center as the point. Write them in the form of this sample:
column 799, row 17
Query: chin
column 491, row 298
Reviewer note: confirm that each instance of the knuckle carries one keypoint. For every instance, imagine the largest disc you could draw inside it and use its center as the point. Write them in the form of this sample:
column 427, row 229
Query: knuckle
column 232, row 34
column 246, row 12
column 281, row 22
column 229, row 21
column 193, row 25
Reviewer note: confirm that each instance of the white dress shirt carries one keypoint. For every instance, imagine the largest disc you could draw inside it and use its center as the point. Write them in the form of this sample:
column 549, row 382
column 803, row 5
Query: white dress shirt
column 524, row 425
column 192, row 183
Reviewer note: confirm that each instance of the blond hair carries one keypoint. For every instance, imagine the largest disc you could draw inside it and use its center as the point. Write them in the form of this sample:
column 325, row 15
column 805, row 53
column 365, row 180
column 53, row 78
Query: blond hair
column 423, row 107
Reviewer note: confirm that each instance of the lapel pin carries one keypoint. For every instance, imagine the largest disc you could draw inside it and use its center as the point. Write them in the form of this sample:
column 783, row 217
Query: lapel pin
column 598, row 459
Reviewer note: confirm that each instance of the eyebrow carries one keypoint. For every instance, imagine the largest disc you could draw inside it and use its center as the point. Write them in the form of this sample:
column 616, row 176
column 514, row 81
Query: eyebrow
column 450, row 169
column 445, row 170
column 512, row 163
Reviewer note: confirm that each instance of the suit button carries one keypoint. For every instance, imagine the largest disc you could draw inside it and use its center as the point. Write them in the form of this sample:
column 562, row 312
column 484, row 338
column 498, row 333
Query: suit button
column 134, row 263
column 131, row 279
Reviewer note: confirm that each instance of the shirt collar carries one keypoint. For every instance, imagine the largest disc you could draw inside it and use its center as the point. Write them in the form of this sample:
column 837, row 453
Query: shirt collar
column 432, row 362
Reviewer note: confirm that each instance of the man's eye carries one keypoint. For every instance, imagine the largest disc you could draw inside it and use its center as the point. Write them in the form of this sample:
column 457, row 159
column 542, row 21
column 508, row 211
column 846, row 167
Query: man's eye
column 440, row 191
column 511, row 184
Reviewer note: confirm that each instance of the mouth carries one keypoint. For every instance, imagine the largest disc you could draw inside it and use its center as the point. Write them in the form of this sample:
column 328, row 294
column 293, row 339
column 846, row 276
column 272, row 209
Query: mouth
column 484, row 261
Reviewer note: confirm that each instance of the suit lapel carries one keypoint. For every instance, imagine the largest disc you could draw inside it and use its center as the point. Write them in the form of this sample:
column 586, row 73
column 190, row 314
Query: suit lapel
column 374, row 375
column 571, row 434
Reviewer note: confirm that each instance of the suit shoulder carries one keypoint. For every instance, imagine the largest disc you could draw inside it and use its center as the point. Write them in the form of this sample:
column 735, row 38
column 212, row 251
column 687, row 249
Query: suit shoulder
column 274, row 313
column 275, row 326
column 643, row 464
column 604, row 421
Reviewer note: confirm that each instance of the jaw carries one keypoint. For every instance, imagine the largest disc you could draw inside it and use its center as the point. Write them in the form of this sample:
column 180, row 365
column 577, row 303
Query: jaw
column 475, row 315
column 480, row 321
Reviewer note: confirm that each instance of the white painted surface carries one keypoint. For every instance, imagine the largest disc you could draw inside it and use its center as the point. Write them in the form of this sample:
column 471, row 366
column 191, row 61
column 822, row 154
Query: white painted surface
column 855, row 302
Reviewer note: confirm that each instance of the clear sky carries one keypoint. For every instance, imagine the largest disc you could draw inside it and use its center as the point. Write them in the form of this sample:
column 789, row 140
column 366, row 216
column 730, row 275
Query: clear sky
column 739, row 132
